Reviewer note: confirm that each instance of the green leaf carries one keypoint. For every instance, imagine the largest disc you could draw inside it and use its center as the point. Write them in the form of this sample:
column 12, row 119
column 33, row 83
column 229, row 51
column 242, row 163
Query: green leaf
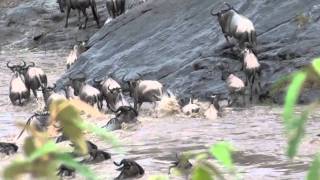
column 292, row 96
column 294, row 125
column 316, row 65
column 68, row 161
column 222, row 151
column 69, row 118
column 49, row 147
column 201, row 173
column 296, row 133
column 314, row 170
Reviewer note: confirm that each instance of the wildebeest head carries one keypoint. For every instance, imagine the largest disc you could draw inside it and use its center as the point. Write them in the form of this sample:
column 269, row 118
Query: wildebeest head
column 127, row 114
column 47, row 91
column 24, row 68
column 62, row 5
column 16, row 68
column 97, row 83
column 225, row 70
column 77, row 83
column 131, row 84
column 220, row 13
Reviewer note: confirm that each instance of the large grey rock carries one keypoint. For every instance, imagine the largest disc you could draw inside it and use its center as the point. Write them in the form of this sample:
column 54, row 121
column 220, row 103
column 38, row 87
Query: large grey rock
column 179, row 43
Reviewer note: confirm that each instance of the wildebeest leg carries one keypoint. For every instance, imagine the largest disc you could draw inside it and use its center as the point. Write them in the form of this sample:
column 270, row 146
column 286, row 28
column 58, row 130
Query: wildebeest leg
column 20, row 99
column 95, row 12
column 68, row 13
column 34, row 91
column 243, row 97
column 86, row 17
column 79, row 18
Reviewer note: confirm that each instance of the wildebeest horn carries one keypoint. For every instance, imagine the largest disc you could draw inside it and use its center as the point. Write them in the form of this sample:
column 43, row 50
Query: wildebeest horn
column 96, row 81
column 139, row 75
column 24, row 64
column 214, row 14
column 229, row 6
column 123, row 79
column 32, row 64
column 9, row 66
column 117, row 163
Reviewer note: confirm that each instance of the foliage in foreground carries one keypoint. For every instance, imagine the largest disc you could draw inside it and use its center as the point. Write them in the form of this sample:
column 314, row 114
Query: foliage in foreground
column 295, row 124
column 42, row 156
column 203, row 168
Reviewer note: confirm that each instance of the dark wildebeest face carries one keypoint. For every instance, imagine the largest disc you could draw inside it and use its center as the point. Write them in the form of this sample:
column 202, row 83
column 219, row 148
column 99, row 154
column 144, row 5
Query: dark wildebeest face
column 77, row 83
column 127, row 114
column 62, row 5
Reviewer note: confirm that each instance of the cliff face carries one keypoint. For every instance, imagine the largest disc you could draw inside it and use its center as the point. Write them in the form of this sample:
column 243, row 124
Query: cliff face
column 179, row 43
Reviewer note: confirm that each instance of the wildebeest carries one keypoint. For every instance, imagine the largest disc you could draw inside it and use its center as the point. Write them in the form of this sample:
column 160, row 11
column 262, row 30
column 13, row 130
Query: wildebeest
column 129, row 169
column 18, row 91
column 111, row 92
column 116, row 7
column 96, row 156
column 49, row 95
column 8, row 148
column 251, row 66
column 74, row 54
column 35, row 78
column 41, row 122
column 86, row 92
column 113, row 124
column 235, row 85
column 66, row 171
column 80, row 5
column 237, row 26
column 190, row 108
column 127, row 114
column 144, row 91
column 182, row 164
column 213, row 110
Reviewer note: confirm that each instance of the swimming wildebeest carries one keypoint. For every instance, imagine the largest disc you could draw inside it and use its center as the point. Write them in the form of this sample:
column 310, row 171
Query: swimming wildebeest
column 144, row 91
column 35, row 78
column 96, row 156
column 80, row 5
column 237, row 26
column 8, row 148
column 18, row 91
column 116, row 7
column 66, row 171
column 182, row 164
column 41, row 122
column 86, row 92
column 129, row 169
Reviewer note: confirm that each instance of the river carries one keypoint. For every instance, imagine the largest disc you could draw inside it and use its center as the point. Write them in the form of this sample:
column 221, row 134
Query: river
column 256, row 132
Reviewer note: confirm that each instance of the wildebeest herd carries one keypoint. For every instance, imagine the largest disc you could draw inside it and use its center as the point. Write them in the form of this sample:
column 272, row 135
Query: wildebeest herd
column 109, row 94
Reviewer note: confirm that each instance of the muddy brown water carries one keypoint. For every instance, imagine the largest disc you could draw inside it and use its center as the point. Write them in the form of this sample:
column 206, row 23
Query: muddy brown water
column 255, row 132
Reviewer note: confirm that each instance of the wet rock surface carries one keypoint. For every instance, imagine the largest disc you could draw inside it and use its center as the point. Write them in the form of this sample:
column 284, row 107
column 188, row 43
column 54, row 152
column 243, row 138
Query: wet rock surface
column 179, row 43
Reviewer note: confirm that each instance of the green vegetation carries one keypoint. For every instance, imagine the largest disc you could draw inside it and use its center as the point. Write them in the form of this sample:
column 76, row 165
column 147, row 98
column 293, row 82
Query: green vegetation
column 295, row 124
column 43, row 156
